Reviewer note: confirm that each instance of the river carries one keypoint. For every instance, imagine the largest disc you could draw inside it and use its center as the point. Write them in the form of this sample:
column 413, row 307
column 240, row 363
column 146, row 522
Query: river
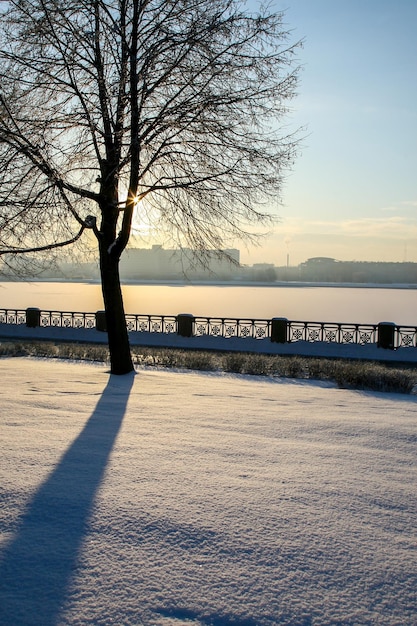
column 302, row 303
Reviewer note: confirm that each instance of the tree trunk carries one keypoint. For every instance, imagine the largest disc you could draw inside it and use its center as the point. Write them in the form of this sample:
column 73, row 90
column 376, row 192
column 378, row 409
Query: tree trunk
column 119, row 347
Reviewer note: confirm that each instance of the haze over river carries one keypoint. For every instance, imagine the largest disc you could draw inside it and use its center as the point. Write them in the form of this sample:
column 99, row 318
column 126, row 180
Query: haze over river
column 300, row 303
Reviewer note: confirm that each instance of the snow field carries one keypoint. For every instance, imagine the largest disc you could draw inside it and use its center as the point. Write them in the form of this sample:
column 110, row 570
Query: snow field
column 168, row 498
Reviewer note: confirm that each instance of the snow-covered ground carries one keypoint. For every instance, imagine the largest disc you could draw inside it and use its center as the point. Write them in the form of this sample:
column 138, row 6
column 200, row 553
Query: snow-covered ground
column 169, row 498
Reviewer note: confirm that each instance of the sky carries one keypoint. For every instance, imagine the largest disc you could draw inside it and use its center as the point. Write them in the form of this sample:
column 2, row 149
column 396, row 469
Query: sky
column 352, row 194
column 171, row 498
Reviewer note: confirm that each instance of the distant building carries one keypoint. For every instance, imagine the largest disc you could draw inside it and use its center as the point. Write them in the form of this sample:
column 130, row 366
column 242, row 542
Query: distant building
column 319, row 268
column 325, row 269
column 160, row 263
column 263, row 272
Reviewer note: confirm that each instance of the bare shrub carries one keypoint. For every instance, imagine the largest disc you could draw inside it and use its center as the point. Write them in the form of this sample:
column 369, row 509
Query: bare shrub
column 257, row 365
column 373, row 376
column 346, row 374
column 234, row 362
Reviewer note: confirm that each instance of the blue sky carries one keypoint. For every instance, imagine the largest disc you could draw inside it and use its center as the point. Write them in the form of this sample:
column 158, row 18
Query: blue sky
column 352, row 194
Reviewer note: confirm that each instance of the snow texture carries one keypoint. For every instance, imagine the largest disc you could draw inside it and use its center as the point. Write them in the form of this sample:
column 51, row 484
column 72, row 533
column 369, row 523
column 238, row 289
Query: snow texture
column 176, row 498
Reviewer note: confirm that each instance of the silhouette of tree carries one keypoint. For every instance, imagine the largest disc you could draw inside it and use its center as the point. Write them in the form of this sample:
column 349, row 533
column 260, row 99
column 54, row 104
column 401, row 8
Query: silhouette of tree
column 112, row 110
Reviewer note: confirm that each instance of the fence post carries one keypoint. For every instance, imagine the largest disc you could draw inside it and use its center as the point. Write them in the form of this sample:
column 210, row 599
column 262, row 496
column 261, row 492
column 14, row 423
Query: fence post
column 101, row 322
column 33, row 317
column 185, row 323
column 279, row 326
column 386, row 334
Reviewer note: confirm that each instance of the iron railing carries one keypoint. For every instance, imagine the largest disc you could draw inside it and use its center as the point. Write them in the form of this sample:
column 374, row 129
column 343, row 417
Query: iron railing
column 293, row 331
column 65, row 319
column 361, row 334
column 12, row 316
column 151, row 323
column 229, row 327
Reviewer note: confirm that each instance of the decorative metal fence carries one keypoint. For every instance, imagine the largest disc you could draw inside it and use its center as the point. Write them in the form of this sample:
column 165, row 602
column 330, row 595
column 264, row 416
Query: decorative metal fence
column 151, row 323
column 280, row 330
column 226, row 327
column 333, row 333
column 59, row 319
column 12, row 316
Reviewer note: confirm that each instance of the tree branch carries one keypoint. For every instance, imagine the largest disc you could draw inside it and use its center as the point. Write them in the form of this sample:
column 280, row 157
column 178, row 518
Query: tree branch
column 52, row 246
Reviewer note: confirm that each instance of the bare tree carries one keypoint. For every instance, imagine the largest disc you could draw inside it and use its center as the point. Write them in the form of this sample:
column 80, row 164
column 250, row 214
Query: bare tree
column 113, row 109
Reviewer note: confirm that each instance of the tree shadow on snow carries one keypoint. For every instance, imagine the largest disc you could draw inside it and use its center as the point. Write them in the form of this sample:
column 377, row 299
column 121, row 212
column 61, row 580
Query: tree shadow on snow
column 37, row 566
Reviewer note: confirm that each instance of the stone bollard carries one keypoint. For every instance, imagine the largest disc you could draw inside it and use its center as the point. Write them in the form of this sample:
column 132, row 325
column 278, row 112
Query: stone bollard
column 33, row 317
column 279, row 326
column 101, row 322
column 386, row 334
column 185, row 323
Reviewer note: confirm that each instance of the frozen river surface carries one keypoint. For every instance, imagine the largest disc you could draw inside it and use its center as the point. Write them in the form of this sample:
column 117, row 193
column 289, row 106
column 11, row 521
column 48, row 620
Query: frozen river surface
column 365, row 305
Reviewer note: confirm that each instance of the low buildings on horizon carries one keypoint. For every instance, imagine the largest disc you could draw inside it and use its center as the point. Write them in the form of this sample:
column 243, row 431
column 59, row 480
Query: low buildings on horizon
column 159, row 264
